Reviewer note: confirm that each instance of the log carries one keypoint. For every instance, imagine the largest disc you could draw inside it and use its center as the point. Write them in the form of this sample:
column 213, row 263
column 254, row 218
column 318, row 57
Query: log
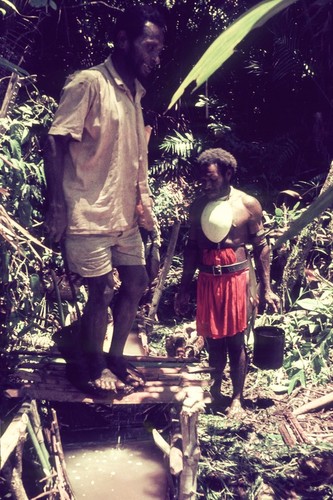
column 317, row 404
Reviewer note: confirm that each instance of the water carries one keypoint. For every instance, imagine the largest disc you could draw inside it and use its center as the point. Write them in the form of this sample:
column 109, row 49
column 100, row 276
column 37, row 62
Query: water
column 132, row 471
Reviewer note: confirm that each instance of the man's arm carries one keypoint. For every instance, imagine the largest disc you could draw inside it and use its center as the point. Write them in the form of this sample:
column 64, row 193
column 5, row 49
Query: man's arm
column 261, row 254
column 56, row 216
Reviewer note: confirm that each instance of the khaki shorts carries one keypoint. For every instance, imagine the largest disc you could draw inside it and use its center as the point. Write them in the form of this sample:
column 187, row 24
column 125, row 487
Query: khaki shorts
column 91, row 256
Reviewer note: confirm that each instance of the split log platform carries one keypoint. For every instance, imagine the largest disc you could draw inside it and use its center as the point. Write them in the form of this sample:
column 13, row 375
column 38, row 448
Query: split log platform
column 168, row 380
column 182, row 383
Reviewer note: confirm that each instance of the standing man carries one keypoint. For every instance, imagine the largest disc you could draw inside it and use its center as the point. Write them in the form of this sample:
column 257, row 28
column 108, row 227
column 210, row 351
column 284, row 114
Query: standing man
column 222, row 221
column 96, row 171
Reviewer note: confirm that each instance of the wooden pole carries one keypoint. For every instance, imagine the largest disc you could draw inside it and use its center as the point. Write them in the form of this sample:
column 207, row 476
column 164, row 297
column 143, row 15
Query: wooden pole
column 191, row 456
column 193, row 404
column 317, row 404
column 165, row 269
column 65, row 488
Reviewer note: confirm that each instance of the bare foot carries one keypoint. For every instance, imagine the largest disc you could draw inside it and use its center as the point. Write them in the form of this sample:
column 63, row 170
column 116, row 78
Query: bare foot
column 134, row 378
column 108, row 381
column 126, row 372
column 236, row 410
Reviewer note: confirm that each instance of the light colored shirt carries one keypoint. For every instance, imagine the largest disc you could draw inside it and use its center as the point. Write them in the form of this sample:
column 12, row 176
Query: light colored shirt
column 105, row 172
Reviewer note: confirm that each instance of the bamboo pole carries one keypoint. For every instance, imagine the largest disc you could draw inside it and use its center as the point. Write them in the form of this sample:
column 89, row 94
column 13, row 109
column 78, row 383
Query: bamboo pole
column 38, row 429
column 42, row 458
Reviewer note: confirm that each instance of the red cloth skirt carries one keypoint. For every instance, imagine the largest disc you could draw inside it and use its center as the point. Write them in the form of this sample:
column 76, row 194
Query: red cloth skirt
column 221, row 300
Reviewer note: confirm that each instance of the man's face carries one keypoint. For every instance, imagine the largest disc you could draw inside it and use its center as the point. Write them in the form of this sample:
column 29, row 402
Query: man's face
column 146, row 50
column 214, row 184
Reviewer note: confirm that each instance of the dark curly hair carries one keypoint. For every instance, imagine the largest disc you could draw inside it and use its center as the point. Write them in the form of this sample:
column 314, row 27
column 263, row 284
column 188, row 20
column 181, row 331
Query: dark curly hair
column 133, row 19
column 223, row 159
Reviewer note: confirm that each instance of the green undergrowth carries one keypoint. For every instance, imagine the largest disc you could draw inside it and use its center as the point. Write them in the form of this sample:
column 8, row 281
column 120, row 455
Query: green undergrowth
column 240, row 462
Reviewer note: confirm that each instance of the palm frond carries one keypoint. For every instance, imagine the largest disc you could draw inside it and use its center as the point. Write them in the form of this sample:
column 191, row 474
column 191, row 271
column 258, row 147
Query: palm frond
column 179, row 144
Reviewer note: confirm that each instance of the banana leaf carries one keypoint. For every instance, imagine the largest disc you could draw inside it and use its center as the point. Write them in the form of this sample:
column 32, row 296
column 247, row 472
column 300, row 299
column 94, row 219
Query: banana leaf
column 324, row 201
column 224, row 46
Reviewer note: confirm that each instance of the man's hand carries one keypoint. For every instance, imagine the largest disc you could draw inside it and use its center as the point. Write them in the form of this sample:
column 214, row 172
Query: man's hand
column 272, row 301
column 56, row 221
column 153, row 262
column 181, row 303
column 145, row 216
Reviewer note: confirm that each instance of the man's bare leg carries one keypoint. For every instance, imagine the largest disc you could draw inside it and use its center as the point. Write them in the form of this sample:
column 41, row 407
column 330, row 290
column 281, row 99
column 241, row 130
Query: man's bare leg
column 217, row 351
column 94, row 325
column 238, row 369
column 134, row 281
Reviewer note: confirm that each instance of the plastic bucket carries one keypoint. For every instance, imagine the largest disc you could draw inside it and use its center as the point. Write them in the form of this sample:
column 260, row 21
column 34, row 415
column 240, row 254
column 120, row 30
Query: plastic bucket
column 268, row 347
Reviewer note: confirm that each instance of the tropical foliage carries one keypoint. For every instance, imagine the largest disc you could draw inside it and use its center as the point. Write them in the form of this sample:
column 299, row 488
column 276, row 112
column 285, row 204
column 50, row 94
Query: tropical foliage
column 219, row 117
column 23, row 250
column 267, row 98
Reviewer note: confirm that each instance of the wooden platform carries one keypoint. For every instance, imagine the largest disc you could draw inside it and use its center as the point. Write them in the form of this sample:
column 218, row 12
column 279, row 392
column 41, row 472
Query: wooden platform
column 182, row 383
column 168, row 380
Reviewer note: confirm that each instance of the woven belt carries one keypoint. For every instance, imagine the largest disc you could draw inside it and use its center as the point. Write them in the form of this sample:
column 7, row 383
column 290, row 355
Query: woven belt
column 219, row 270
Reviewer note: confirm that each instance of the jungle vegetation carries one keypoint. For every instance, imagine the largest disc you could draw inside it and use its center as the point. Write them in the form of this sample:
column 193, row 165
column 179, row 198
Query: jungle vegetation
column 269, row 103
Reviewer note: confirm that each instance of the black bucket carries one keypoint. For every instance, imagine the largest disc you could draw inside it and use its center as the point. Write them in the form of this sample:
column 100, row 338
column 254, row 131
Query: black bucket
column 268, row 347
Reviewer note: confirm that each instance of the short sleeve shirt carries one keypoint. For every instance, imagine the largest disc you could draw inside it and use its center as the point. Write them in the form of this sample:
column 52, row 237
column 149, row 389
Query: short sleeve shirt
column 105, row 171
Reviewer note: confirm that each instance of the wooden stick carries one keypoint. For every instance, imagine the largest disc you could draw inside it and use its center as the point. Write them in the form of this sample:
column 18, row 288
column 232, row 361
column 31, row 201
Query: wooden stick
column 161, row 442
column 46, row 493
column 60, row 453
column 315, row 405
column 291, row 430
column 166, row 266
column 287, row 435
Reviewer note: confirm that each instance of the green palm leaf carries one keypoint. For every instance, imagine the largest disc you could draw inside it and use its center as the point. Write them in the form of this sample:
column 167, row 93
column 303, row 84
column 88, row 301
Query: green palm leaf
column 224, row 46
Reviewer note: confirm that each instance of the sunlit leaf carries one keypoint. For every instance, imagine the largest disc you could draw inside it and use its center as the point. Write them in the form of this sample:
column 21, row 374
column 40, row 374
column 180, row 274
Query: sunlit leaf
column 11, row 5
column 309, row 304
